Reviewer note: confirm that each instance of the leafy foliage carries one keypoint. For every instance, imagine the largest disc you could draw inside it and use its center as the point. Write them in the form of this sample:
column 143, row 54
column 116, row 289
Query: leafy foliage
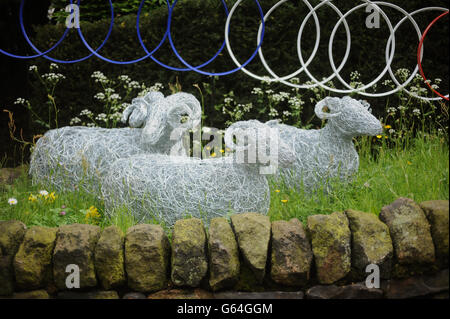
column 94, row 10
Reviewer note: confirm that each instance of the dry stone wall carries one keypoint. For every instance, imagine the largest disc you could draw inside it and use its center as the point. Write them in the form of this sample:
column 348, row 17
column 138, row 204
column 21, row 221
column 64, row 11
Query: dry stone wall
column 246, row 257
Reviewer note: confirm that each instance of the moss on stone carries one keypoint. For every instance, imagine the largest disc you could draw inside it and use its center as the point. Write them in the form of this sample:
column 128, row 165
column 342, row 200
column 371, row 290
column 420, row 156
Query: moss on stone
column 147, row 252
column 189, row 260
column 437, row 212
column 410, row 232
column 224, row 262
column 371, row 243
column 109, row 258
column 252, row 231
column 33, row 261
column 11, row 236
column 330, row 239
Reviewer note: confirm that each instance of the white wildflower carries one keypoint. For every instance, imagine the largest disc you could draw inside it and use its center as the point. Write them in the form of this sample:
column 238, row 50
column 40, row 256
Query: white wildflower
column 115, row 96
column 43, row 193
column 257, row 91
column 99, row 96
column 75, row 120
column 20, row 101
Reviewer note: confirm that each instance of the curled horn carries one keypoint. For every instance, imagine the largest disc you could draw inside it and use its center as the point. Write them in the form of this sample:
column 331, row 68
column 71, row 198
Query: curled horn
column 137, row 112
column 331, row 103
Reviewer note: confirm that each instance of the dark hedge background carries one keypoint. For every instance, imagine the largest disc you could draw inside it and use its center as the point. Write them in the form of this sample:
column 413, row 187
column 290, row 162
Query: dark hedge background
column 197, row 31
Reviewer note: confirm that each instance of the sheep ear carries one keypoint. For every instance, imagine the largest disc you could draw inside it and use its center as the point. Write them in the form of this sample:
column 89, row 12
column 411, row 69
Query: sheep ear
column 328, row 108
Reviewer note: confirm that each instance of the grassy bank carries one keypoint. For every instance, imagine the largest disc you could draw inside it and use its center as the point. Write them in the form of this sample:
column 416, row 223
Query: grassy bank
column 420, row 172
column 418, row 169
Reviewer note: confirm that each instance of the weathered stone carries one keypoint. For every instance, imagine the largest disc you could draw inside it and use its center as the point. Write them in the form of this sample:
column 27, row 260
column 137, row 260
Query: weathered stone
column 252, row 231
column 134, row 295
column 418, row 286
column 410, row 233
column 181, row 294
column 88, row 295
column 33, row 261
column 35, row 294
column 109, row 258
column 330, row 239
column 438, row 216
column 354, row 291
column 371, row 243
column 75, row 244
column 147, row 252
column 189, row 260
column 291, row 253
column 223, row 255
column 259, row 295
column 111, row 294
column 6, row 276
column 11, row 236
column 248, row 280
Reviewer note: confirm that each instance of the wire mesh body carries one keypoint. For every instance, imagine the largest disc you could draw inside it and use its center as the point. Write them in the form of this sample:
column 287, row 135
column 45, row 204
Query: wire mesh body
column 329, row 152
column 79, row 156
column 167, row 188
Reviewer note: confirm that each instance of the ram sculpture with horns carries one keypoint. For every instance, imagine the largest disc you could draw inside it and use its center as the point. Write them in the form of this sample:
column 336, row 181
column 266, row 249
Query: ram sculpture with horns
column 68, row 157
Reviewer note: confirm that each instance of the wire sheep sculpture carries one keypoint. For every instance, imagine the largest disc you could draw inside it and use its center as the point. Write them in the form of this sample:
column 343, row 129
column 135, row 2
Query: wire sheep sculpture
column 69, row 157
column 328, row 152
column 166, row 188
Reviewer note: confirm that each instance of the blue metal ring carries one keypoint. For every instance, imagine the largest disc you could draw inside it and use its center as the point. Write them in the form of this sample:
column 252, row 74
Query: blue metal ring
column 22, row 3
column 169, row 20
column 124, row 62
column 196, row 69
column 149, row 54
column 78, row 60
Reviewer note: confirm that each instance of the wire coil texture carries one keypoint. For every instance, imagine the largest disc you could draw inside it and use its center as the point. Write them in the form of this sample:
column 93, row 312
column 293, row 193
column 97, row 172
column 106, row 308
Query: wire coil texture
column 313, row 83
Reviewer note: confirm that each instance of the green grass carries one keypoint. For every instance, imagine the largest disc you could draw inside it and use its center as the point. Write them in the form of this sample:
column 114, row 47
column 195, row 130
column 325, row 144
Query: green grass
column 419, row 171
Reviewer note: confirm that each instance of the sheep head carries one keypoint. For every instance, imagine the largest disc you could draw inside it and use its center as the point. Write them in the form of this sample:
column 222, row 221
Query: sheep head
column 171, row 117
column 349, row 116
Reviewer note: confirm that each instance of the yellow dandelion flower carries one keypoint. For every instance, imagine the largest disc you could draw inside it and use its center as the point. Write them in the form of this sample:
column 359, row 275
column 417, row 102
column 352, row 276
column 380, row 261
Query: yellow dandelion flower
column 387, row 126
column 52, row 196
column 277, row 191
column 379, row 136
column 222, row 151
column 213, row 154
column 92, row 215
column 284, row 200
